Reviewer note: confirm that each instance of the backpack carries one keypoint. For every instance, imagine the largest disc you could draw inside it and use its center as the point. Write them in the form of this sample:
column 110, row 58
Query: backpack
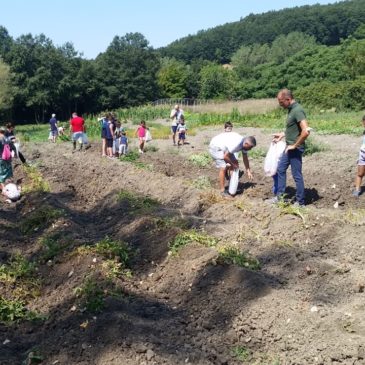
column 6, row 155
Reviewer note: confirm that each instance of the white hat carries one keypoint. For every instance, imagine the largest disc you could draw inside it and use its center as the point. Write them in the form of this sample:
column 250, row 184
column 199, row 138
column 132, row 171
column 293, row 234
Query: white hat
column 11, row 191
column 53, row 115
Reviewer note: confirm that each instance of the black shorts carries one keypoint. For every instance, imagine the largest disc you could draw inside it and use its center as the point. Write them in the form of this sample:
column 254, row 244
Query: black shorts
column 109, row 142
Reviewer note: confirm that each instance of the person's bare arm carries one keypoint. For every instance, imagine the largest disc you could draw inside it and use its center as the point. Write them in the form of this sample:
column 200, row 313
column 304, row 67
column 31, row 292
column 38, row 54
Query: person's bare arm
column 247, row 165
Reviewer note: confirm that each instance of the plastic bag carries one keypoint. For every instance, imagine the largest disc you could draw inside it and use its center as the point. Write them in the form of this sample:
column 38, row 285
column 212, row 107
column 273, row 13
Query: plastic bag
column 272, row 157
column 85, row 140
column 148, row 136
column 11, row 191
column 233, row 181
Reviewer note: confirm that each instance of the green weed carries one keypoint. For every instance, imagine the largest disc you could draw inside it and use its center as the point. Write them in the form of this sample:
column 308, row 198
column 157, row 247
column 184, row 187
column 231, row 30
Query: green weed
column 14, row 310
column 39, row 218
column 170, row 222
column 91, row 295
column 232, row 255
column 36, row 182
column 311, row 147
column 187, row 237
column 136, row 203
column 52, row 246
column 241, row 353
column 18, row 267
column 112, row 249
column 258, row 153
column 287, row 208
column 116, row 254
column 201, row 159
column 201, row 183
column 131, row 156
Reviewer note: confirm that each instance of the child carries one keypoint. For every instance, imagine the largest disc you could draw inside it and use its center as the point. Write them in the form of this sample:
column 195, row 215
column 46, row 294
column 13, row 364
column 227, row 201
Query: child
column 123, row 144
column 141, row 134
column 228, row 126
column 6, row 169
column 360, row 165
column 181, row 130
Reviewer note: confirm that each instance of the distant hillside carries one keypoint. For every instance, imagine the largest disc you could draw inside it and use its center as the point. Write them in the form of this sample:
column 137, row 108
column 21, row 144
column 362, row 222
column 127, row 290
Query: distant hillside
column 327, row 23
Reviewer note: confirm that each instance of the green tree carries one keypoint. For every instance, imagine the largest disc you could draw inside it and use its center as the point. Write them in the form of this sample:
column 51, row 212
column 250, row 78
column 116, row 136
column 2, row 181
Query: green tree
column 6, row 92
column 127, row 72
column 216, row 82
column 173, row 78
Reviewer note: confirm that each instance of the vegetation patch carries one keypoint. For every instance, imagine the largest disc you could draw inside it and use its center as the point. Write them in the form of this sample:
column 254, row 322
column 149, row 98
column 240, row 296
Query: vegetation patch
column 39, row 218
column 136, row 203
column 312, row 146
column 17, row 283
column 116, row 256
column 292, row 209
column 91, row 295
column 230, row 255
column 191, row 236
column 36, row 182
column 53, row 245
column 201, row 183
column 241, row 353
column 14, row 310
column 200, row 159
column 258, row 153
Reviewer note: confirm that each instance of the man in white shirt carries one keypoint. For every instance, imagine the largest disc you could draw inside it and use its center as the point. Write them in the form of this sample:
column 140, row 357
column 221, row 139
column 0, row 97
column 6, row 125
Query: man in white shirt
column 175, row 115
column 222, row 149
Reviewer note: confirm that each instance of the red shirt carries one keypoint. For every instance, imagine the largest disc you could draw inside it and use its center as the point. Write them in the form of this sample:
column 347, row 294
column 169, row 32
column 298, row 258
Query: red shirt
column 77, row 124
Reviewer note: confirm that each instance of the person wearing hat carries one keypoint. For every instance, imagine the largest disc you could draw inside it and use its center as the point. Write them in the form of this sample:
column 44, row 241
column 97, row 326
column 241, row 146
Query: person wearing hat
column 53, row 128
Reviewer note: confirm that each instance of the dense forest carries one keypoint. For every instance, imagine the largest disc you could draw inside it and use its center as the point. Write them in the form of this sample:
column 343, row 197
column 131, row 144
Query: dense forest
column 318, row 51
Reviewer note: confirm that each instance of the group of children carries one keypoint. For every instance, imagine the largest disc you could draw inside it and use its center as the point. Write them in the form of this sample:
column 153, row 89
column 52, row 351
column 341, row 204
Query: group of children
column 113, row 136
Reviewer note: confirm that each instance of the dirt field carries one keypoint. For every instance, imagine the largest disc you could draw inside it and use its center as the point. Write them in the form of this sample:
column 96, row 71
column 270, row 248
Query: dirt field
column 304, row 306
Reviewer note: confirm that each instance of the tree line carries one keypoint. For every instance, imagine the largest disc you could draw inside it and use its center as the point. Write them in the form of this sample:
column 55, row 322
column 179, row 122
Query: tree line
column 38, row 78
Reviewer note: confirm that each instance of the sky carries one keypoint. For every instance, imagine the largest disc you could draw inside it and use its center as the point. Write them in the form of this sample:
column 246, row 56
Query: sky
column 92, row 24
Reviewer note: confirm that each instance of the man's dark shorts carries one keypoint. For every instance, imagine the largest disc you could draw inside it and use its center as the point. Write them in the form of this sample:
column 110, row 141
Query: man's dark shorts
column 109, row 142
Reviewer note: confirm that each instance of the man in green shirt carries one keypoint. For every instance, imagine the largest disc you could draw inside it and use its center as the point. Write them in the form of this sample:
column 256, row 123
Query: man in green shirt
column 295, row 134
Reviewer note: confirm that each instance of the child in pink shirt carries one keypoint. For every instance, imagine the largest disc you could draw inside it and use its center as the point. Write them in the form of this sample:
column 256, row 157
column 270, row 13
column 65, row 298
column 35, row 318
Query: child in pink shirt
column 141, row 134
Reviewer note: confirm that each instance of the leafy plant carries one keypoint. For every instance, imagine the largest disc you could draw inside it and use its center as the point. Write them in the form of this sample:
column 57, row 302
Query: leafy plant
column 201, row 159
column 232, row 255
column 91, row 295
column 292, row 209
column 311, row 147
column 187, row 237
column 36, row 182
column 39, row 218
column 18, row 267
column 52, row 246
column 136, row 203
column 241, row 353
column 258, row 153
column 131, row 156
column 201, row 183
column 14, row 310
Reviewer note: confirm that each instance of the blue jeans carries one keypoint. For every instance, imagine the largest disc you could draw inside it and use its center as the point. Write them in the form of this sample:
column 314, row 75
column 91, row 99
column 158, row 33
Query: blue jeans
column 294, row 159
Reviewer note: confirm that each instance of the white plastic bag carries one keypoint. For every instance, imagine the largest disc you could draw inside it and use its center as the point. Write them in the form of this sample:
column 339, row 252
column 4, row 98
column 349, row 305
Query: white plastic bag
column 233, row 181
column 148, row 136
column 272, row 157
column 85, row 140
column 11, row 191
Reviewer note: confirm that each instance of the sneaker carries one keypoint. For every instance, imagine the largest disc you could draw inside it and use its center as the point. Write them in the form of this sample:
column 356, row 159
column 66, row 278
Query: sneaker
column 298, row 205
column 273, row 200
column 87, row 147
column 356, row 193
column 225, row 194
